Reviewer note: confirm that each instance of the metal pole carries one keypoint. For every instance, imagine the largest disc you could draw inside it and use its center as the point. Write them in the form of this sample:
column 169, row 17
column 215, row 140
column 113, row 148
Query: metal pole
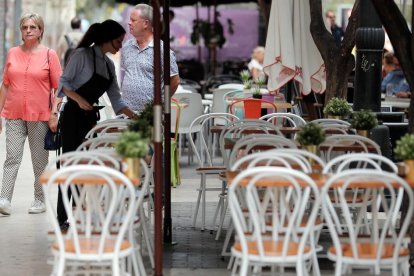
column 167, row 126
column 369, row 42
column 157, row 141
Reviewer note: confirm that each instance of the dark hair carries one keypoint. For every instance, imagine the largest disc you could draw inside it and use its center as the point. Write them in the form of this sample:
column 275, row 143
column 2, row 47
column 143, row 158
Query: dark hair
column 75, row 23
column 172, row 14
column 99, row 33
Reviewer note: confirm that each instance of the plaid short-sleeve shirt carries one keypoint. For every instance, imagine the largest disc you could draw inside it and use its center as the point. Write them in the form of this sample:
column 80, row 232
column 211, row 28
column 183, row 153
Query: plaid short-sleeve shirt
column 138, row 70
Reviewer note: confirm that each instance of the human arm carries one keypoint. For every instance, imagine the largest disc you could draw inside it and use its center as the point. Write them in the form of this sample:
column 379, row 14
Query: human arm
column 403, row 94
column 174, row 82
column 3, row 94
column 174, row 76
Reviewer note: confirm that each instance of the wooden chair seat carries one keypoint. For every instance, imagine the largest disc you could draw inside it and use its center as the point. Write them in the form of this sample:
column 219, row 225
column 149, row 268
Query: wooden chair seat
column 271, row 248
column 91, row 245
column 369, row 251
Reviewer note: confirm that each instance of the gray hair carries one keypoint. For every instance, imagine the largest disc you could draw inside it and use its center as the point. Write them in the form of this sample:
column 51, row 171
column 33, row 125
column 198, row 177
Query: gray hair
column 37, row 19
column 146, row 11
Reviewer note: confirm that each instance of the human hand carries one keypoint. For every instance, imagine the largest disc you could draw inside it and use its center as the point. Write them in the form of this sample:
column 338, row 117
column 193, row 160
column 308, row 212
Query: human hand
column 53, row 123
column 403, row 94
column 83, row 104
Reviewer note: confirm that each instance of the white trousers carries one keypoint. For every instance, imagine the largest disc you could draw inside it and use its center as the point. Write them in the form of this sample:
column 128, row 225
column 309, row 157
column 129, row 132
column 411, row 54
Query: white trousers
column 16, row 133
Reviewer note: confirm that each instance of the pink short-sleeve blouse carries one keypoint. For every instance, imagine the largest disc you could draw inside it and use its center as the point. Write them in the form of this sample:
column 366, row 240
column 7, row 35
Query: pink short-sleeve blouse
column 29, row 83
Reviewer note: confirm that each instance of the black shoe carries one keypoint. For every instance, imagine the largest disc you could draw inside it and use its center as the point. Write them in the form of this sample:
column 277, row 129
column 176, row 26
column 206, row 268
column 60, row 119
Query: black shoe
column 64, row 227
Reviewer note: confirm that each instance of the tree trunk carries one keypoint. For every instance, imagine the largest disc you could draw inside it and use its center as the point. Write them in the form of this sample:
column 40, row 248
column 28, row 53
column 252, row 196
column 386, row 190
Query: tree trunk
column 339, row 61
column 401, row 39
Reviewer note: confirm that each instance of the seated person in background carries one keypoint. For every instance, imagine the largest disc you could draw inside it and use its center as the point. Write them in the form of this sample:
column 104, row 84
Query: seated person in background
column 397, row 81
column 256, row 63
column 388, row 63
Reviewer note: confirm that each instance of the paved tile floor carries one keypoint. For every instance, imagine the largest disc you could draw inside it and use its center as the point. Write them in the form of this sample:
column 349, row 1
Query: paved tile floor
column 24, row 245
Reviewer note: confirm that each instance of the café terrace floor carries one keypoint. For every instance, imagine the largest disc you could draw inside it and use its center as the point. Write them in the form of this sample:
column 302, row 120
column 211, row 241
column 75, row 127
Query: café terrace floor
column 25, row 248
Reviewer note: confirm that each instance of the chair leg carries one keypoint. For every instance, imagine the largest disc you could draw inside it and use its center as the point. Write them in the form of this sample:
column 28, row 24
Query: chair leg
column 146, row 232
column 203, row 205
column 227, row 239
column 200, row 191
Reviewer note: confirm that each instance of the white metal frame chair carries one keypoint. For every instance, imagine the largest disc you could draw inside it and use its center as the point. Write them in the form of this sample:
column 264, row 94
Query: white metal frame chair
column 343, row 140
column 363, row 160
column 385, row 246
column 254, row 142
column 108, row 127
column 288, row 118
column 93, row 213
column 240, row 128
column 101, row 142
column 291, row 240
column 201, row 127
column 193, row 109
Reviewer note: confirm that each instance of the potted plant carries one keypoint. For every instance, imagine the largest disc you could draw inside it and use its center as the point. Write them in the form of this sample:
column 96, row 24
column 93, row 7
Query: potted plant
column 132, row 146
column 144, row 123
column 337, row 108
column 363, row 121
column 260, row 81
column 247, row 84
column 310, row 137
column 405, row 151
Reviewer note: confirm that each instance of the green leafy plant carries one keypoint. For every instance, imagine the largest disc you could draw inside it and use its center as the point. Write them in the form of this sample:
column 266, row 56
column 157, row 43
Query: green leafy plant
column 405, row 147
column 337, row 107
column 144, row 122
column 260, row 81
column 245, row 76
column 364, row 120
column 132, row 144
column 310, row 134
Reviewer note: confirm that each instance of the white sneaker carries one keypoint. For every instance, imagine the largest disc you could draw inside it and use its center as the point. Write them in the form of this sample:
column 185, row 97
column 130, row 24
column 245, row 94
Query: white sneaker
column 37, row 207
column 5, row 207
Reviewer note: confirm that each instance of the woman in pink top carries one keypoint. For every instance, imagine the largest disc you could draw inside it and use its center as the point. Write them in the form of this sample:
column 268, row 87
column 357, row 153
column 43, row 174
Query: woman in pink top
column 31, row 75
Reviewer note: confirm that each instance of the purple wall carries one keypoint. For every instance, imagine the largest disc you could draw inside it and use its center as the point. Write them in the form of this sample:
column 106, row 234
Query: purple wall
column 237, row 46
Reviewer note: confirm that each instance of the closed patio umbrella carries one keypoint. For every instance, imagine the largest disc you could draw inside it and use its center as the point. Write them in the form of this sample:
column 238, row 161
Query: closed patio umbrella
column 290, row 51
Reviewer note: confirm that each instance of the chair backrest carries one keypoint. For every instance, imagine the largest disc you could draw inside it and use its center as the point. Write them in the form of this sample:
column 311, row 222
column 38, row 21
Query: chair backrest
column 110, row 126
column 315, row 163
column 360, row 161
column 193, row 109
column 282, row 194
column 102, row 142
column 352, row 143
column 90, row 157
column 258, row 143
column 282, row 119
column 271, row 158
column 231, row 96
column 218, row 103
column 251, row 108
column 332, row 123
column 238, row 129
column 383, row 192
column 201, row 127
column 94, row 208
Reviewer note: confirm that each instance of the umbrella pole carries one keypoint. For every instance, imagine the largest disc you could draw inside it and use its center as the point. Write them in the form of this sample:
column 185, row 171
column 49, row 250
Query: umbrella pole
column 167, row 126
column 158, row 246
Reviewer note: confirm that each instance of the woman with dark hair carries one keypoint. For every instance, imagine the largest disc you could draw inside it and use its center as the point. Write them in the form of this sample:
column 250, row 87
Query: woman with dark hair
column 87, row 76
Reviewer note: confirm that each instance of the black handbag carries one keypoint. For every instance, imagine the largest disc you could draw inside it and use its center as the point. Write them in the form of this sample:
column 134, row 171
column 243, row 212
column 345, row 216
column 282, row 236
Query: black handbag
column 52, row 140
